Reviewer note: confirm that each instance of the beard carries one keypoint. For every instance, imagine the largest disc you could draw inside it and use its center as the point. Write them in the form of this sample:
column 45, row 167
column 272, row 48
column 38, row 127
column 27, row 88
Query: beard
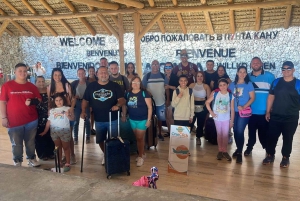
column 256, row 70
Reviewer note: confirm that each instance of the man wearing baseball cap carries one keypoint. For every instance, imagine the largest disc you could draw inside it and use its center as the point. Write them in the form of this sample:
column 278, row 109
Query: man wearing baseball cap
column 282, row 114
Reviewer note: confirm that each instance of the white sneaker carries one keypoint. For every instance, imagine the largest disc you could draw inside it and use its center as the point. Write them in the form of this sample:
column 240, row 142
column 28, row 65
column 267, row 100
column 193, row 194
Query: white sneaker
column 103, row 161
column 18, row 164
column 143, row 156
column 140, row 162
column 73, row 160
column 33, row 163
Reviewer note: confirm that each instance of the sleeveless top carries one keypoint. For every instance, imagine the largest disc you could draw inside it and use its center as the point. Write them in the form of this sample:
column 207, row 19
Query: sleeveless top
column 199, row 91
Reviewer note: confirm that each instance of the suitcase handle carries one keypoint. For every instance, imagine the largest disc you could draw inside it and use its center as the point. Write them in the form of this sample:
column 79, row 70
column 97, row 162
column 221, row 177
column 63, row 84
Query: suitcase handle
column 110, row 124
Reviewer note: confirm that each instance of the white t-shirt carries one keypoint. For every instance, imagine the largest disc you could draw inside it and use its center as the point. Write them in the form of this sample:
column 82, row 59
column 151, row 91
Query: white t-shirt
column 39, row 71
column 58, row 117
column 222, row 107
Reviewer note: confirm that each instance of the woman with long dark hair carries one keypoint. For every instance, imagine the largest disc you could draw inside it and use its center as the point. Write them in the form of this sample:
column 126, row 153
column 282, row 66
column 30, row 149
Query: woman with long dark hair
column 243, row 92
column 139, row 106
column 60, row 85
column 130, row 71
column 220, row 73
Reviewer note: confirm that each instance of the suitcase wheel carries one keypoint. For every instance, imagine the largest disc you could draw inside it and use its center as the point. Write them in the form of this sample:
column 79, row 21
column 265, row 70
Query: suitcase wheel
column 108, row 177
column 128, row 173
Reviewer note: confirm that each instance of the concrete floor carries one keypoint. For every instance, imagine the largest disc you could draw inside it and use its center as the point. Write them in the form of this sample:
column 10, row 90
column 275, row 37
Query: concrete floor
column 20, row 183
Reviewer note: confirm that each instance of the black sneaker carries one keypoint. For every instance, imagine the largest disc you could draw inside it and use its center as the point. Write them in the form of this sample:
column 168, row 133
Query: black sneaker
column 234, row 154
column 161, row 137
column 268, row 160
column 247, row 152
column 285, row 162
column 93, row 132
column 239, row 158
column 220, row 156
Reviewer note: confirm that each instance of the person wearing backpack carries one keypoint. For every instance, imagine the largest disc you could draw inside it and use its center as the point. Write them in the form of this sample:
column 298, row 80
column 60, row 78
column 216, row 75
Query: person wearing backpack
column 244, row 96
column 155, row 83
column 186, row 68
column 282, row 114
column 183, row 103
column 115, row 76
column 223, row 113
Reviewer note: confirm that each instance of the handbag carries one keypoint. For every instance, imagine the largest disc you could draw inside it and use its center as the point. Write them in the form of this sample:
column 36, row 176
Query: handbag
column 247, row 112
column 198, row 108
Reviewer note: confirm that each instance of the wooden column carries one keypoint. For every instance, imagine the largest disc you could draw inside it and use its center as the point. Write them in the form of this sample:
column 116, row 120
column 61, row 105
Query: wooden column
column 137, row 44
column 121, row 43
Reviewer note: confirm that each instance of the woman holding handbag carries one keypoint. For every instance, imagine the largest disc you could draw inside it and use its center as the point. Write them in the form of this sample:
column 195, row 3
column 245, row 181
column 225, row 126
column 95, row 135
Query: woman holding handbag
column 243, row 92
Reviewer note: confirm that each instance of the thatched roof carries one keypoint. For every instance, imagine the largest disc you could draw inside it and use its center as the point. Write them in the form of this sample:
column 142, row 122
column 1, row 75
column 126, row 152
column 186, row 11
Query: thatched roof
column 80, row 17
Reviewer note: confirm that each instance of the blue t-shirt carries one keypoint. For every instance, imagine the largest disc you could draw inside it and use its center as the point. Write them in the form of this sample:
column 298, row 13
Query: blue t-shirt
column 136, row 104
column 261, row 84
column 242, row 93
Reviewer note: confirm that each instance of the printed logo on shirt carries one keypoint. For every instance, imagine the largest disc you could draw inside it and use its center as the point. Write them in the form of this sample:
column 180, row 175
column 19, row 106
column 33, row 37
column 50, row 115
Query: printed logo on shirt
column 239, row 92
column 222, row 105
column 132, row 102
column 59, row 115
column 102, row 95
column 21, row 92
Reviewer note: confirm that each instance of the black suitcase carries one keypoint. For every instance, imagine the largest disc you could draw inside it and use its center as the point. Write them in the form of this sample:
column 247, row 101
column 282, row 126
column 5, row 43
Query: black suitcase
column 117, row 153
column 151, row 132
column 210, row 131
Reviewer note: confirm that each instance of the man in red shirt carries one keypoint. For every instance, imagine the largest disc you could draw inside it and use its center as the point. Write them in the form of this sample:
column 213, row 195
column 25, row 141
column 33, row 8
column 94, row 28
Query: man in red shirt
column 18, row 102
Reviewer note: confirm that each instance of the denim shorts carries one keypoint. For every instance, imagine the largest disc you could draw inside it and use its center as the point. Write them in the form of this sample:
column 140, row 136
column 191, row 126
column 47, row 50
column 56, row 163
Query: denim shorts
column 64, row 134
column 160, row 112
column 103, row 128
column 140, row 125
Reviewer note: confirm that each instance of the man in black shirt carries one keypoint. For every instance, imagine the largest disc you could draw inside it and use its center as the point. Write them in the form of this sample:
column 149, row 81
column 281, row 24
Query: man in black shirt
column 282, row 113
column 103, row 96
column 210, row 72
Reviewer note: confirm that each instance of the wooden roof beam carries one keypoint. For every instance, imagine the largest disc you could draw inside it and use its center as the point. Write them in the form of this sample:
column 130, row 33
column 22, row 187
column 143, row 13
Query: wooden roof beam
column 100, row 22
column 150, row 24
column 208, row 23
column 115, row 19
column 3, row 26
column 181, row 23
column 97, row 4
column 33, row 11
column 288, row 17
column 175, row 2
column 112, row 30
column 4, row 14
column 82, row 19
column 242, row 6
column 257, row 19
column 38, row 33
column 159, row 22
column 130, row 3
column 229, row 1
column 203, row 2
column 63, row 23
column 232, row 21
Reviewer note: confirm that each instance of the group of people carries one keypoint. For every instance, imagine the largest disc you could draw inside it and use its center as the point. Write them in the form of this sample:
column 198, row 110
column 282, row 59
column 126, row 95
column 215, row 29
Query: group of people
column 42, row 116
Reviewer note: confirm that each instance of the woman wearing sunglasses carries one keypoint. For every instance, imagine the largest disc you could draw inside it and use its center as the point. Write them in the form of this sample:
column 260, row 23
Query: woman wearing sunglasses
column 243, row 92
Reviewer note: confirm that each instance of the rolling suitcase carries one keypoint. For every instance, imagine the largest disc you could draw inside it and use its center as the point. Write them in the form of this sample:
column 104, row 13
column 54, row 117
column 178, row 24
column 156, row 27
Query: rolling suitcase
column 117, row 153
column 151, row 132
column 210, row 131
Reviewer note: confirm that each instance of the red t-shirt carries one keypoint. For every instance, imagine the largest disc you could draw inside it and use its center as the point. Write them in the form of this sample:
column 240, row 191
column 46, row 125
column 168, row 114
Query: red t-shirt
column 15, row 96
column 186, row 72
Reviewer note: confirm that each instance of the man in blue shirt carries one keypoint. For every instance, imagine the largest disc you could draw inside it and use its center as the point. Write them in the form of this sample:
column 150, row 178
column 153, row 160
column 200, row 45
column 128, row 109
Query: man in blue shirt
column 262, row 81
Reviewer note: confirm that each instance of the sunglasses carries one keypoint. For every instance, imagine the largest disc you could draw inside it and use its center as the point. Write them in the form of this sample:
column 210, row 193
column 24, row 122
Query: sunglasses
column 168, row 67
column 286, row 69
column 136, row 82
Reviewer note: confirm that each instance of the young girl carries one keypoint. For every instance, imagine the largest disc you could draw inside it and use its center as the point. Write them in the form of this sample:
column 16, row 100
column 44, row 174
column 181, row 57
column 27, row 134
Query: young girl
column 59, row 122
column 183, row 102
column 223, row 114
column 43, row 144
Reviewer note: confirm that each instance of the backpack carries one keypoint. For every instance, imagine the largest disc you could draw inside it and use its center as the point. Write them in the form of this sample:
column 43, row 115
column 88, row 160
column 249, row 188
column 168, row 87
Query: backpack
column 297, row 85
column 180, row 66
column 148, row 75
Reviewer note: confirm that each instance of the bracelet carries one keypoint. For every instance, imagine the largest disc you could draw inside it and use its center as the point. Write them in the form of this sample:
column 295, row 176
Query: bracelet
column 4, row 118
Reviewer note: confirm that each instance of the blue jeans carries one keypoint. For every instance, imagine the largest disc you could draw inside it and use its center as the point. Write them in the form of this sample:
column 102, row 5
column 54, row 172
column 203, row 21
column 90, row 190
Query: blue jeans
column 102, row 128
column 22, row 133
column 77, row 112
column 238, row 129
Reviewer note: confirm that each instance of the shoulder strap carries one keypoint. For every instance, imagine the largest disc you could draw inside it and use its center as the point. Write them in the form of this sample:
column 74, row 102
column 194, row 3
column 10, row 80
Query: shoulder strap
column 191, row 65
column 127, row 94
column 215, row 94
column 180, row 67
column 123, row 80
column 190, row 92
column 275, row 82
column 230, row 96
column 144, row 94
column 297, row 86
column 177, row 91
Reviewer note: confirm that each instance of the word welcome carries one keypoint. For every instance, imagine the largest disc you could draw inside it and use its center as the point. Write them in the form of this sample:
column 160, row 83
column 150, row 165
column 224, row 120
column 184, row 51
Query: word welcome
column 206, row 37
column 88, row 41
